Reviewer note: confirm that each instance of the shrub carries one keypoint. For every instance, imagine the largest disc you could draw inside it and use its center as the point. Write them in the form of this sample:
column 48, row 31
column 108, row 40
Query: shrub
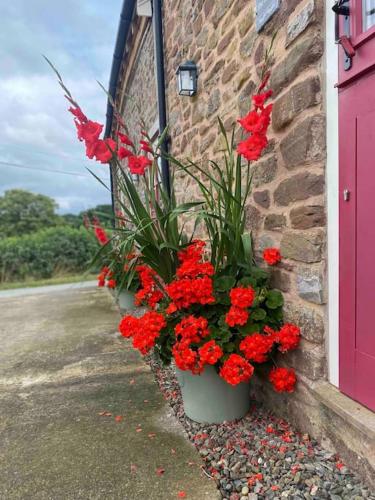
column 45, row 253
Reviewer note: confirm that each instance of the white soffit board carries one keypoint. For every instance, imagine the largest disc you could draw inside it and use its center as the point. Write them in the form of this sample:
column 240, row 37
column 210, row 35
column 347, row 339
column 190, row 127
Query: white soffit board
column 144, row 8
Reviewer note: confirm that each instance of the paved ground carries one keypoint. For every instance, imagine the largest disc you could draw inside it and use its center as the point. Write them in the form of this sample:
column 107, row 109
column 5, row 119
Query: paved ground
column 61, row 365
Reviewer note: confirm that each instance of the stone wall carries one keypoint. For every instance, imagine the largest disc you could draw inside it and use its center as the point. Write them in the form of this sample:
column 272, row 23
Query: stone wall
column 287, row 206
column 139, row 98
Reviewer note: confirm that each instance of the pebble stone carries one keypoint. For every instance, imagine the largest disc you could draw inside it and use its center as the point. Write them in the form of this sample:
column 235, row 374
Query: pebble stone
column 262, row 456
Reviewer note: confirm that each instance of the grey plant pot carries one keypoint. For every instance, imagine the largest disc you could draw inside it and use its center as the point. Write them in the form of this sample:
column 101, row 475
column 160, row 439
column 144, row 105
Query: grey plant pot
column 125, row 300
column 209, row 399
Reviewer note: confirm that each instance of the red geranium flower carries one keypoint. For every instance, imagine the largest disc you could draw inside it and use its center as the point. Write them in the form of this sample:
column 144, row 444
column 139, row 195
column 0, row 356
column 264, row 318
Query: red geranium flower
column 272, row 256
column 236, row 369
column 185, row 358
column 210, row 353
column 111, row 283
column 283, row 379
column 150, row 326
column 256, row 347
column 288, row 337
column 192, row 329
column 236, row 316
column 242, row 297
column 129, row 326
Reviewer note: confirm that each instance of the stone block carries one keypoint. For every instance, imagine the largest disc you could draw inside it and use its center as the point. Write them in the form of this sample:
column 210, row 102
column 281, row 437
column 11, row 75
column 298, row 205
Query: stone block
column 259, row 53
column 308, row 216
column 265, row 241
column 308, row 319
column 253, row 217
column 230, row 71
column 264, row 171
column 247, row 44
column 309, row 359
column 225, row 41
column 310, row 285
column 262, row 198
column 305, row 53
column 302, row 246
column 299, row 187
column 301, row 96
column 207, row 7
column 246, row 22
column 274, row 221
column 306, row 142
column 280, row 280
column 299, row 22
column 213, row 102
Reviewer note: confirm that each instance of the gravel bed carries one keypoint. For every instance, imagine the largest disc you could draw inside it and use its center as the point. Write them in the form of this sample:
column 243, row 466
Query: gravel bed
column 261, row 456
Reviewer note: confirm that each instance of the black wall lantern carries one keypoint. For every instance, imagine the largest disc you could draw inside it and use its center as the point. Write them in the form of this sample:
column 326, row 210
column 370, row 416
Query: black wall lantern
column 187, row 78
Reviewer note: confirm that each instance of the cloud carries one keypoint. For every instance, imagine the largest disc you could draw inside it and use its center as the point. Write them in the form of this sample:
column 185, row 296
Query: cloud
column 37, row 130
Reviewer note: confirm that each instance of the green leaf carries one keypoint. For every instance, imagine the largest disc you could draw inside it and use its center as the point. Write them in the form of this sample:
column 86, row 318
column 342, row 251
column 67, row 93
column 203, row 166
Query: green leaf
column 274, row 299
column 224, row 283
column 258, row 314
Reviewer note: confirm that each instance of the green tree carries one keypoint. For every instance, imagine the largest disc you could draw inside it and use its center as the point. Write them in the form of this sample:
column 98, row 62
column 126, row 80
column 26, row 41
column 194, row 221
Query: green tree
column 23, row 212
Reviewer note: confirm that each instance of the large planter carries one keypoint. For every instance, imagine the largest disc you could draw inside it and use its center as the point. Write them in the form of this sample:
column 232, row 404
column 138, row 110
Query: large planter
column 125, row 300
column 209, row 399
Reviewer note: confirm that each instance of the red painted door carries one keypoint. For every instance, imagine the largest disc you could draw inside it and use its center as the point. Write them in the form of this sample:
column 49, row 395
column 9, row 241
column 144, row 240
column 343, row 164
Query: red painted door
column 357, row 203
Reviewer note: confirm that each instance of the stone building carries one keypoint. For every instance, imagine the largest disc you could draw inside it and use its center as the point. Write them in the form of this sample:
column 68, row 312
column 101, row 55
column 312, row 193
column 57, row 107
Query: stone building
column 312, row 189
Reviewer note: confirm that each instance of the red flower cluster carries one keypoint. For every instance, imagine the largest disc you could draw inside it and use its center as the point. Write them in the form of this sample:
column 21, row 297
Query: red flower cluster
column 186, row 359
column 236, row 370
column 283, row 379
column 192, row 330
column 210, row 353
column 105, row 274
column 272, row 256
column 256, row 122
column 236, row 316
column 137, row 164
column 256, row 347
column 144, row 330
column 99, row 231
column 89, row 132
column 101, row 235
column 193, row 284
column 288, row 337
column 149, row 293
column 241, row 298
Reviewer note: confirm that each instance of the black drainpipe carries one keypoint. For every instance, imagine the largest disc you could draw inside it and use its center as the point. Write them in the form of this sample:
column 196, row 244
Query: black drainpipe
column 160, row 82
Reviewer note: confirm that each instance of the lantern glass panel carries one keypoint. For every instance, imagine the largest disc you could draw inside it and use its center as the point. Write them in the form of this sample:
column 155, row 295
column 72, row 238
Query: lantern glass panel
column 186, row 82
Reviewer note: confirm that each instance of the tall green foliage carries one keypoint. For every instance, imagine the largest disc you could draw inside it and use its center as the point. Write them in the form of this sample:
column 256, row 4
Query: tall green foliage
column 45, row 253
column 23, row 212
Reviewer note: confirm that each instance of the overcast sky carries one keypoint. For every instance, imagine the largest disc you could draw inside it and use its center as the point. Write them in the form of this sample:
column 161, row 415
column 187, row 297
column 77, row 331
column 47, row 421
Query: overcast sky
column 36, row 130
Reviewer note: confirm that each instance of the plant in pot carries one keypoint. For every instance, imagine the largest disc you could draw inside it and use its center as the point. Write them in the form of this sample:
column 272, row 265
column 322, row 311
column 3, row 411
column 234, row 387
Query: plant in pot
column 210, row 306
column 117, row 261
column 218, row 319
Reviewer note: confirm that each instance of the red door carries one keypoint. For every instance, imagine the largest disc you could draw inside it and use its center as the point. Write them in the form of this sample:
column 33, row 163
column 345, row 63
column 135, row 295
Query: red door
column 357, row 202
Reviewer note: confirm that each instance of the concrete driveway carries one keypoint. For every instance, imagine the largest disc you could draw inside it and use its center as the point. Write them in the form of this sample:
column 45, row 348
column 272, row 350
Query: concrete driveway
column 62, row 365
